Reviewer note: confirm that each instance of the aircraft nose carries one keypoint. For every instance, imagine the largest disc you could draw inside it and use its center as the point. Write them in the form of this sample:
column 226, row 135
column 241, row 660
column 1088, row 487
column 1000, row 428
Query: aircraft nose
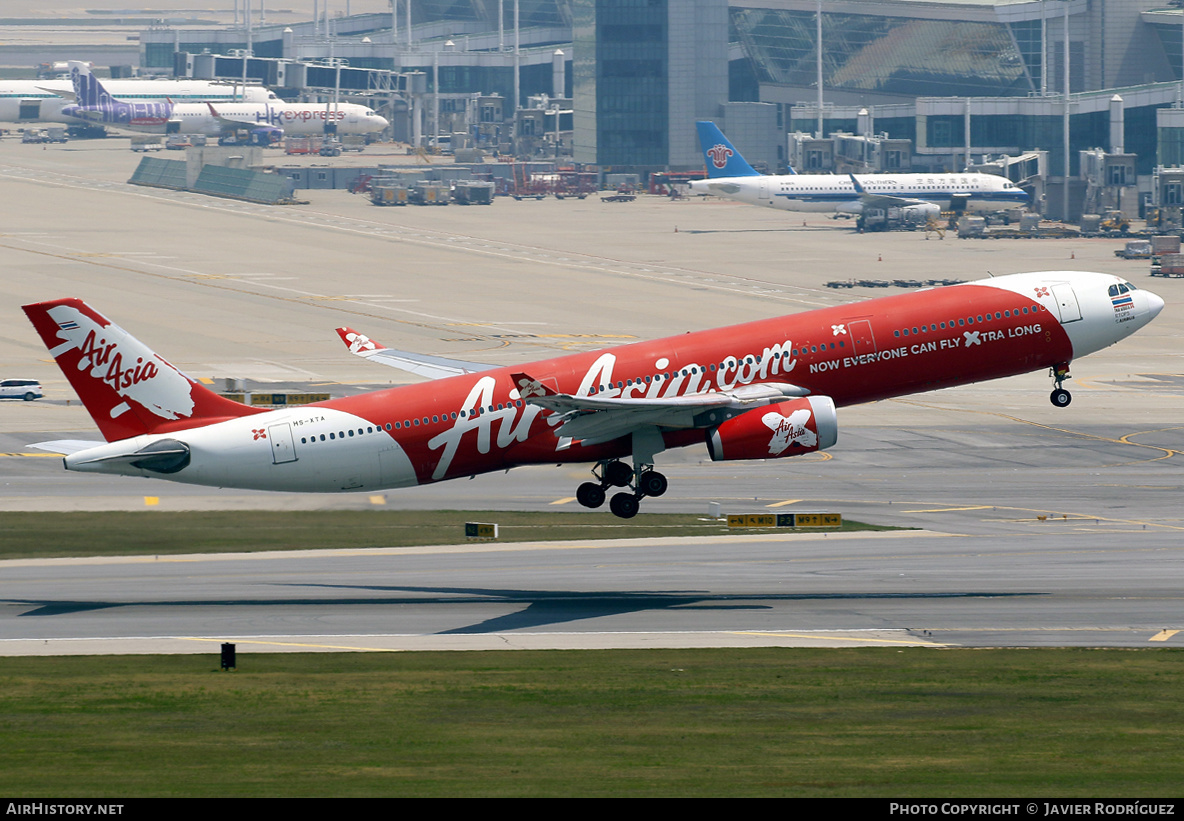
column 1154, row 305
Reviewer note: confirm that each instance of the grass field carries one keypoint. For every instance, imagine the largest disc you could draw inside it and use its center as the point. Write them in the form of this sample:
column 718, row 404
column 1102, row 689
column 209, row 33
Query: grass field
column 44, row 535
column 762, row 722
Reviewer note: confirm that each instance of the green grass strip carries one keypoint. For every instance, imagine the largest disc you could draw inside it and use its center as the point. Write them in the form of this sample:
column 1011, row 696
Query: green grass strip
column 758, row 722
column 48, row 535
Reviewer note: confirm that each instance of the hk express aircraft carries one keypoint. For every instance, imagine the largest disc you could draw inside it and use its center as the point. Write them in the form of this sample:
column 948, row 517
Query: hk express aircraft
column 267, row 121
column 917, row 195
column 41, row 101
column 762, row 390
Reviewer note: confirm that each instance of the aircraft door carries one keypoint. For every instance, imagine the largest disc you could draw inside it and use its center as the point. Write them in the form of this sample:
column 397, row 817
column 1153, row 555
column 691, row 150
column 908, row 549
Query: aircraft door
column 1067, row 305
column 283, row 445
column 763, row 188
column 863, row 341
column 29, row 109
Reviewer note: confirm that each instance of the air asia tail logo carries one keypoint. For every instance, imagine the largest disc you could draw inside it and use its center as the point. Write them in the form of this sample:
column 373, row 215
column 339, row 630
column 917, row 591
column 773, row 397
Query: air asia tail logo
column 789, row 430
column 720, row 154
column 109, row 355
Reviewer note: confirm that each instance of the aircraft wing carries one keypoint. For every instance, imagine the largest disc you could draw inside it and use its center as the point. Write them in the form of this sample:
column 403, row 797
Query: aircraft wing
column 957, row 201
column 883, row 200
column 594, row 420
column 432, row 367
column 231, row 122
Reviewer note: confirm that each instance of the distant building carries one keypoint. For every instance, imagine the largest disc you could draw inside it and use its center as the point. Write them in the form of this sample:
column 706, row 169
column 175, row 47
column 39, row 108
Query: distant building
column 643, row 73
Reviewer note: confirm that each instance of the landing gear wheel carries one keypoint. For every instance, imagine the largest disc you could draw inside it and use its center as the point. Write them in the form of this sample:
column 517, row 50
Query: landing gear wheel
column 652, row 483
column 590, row 494
column 624, row 505
column 1061, row 398
column 618, row 474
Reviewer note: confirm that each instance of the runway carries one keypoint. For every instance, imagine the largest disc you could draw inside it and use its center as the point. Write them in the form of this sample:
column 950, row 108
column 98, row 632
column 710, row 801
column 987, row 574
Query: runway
column 1038, row 526
column 893, row 589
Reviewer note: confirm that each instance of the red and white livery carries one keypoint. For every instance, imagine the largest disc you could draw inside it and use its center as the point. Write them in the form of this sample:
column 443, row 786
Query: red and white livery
column 762, row 390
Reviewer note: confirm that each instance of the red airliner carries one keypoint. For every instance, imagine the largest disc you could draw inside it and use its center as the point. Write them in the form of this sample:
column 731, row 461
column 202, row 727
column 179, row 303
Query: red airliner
column 762, row 390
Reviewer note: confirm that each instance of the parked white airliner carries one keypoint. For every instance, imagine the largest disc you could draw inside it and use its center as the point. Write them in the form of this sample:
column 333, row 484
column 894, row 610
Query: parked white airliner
column 41, row 101
column 920, row 196
column 268, row 121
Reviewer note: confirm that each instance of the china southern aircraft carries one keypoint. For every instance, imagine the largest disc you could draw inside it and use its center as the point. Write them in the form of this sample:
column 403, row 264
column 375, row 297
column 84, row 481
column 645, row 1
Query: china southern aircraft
column 766, row 389
column 920, row 196
column 266, row 121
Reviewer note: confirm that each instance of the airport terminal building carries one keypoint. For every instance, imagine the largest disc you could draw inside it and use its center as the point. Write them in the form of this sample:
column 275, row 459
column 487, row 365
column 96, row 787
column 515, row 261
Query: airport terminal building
column 618, row 83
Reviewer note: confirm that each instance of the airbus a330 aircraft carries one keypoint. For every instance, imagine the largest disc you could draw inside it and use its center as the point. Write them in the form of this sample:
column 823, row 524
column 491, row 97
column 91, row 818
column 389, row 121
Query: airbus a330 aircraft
column 763, row 390
column 921, row 196
column 267, row 121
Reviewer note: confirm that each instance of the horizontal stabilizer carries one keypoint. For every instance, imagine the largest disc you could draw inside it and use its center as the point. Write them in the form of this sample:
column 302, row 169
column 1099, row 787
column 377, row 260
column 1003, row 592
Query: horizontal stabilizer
column 66, row 446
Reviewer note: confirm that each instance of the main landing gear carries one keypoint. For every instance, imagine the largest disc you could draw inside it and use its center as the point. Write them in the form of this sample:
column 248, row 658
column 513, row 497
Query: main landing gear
column 642, row 481
column 1060, row 397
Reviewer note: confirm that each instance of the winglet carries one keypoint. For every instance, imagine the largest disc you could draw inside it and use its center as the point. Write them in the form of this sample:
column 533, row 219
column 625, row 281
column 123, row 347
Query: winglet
column 530, row 387
column 722, row 158
column 358, row 343
column 856, row 183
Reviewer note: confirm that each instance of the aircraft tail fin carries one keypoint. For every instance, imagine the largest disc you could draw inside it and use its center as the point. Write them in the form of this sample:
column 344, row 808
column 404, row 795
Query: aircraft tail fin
column 127, row 388
column 88, row 91
column 723, row 160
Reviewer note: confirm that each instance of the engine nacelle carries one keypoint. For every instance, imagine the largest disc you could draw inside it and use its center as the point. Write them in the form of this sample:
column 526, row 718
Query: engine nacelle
column 921, row 211
column 266, row 135
column 773, row 431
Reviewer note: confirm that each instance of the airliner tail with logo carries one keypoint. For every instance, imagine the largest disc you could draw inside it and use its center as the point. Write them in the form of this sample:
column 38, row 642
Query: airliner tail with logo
column 767, row 389
column 916, row 195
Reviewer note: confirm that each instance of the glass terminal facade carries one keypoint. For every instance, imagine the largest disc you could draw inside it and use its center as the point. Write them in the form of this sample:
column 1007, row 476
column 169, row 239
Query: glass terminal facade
column 890, row 55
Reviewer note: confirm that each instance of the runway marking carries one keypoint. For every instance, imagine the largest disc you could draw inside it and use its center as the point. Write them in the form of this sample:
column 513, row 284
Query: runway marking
column 293, row 644
column 950, row 509
column 565, row 500
column 829, row 637
column 786, row 502
column 1124, row 440
column 1163, row 635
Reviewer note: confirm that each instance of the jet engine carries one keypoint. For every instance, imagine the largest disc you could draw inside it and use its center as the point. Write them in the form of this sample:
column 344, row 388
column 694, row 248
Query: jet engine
column 920, row 212
column 777, row 430
column 266, row 135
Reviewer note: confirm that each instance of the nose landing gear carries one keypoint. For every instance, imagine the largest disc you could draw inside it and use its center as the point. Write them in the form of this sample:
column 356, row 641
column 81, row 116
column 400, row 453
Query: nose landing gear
column 1060, row 397
column 642, row 481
